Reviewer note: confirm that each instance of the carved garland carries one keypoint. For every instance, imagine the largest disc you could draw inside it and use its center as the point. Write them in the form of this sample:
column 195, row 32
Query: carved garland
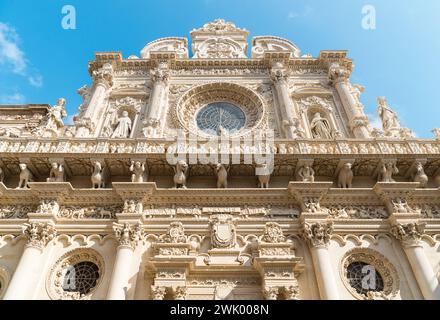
column 55, row 280
column 385, row 268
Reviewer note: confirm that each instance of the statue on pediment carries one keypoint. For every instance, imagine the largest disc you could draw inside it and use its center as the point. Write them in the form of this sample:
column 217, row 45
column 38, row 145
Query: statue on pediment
column 123, row 126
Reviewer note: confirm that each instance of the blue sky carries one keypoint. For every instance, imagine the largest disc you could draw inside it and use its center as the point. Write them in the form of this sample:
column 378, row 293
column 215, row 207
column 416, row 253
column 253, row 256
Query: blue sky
column 40, row 61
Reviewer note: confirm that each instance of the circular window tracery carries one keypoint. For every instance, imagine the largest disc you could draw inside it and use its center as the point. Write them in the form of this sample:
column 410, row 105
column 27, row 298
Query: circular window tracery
column 367, row 274
column 219, row 117
column 197, row 109
column 76, row 275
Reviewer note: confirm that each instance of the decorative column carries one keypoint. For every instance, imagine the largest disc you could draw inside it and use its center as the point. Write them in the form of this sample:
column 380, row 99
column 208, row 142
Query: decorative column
column 103, row 81
column 128, row 236
column 409, row 234
column 27, row 272
column 289, row 118
column 153, row 124
column 350, row 95
column 318, row 236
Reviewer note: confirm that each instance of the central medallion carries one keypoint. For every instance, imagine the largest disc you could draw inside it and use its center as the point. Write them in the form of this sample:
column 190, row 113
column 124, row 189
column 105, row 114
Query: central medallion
column 220, row 117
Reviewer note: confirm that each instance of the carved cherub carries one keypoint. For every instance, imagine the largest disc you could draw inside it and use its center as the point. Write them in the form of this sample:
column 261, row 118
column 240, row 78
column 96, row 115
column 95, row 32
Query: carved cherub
column 387, row 171
column 306, row 174
column 56, row 173
column 138, row 170
column 25, row 177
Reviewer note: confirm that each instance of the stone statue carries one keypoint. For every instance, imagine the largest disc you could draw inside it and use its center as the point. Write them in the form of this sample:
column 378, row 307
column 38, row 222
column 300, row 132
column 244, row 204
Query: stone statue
column 295, row 126
column 436, row 132
column 387, row 171
column 420, row 176
column 320, row 127
column 25, row 177
column 181, row 171
column 222, row 175
column 138, row 171
column 356, row 90
column 56, row 115
column 306, row 174
column 345, row 177
column 123, row 126
column 57, row 173
column 98, row 176
column 390, row 122
column 264, row 177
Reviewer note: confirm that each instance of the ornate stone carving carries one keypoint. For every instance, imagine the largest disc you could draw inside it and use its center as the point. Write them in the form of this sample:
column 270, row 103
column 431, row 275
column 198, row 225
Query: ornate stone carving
column 88, row 212
column 263, row 44
column 320, row 127
column 169, row 44
column 175, row 233
column 263, row 175
column 408, row 234
column 38, row 234
column 223, row 234
column 291, row 292
column 181, row 171
column 104, row 75
column 306, row 174
column 389, row 119
column 56, row 281
column 160, row 75
column 158, row 292
column 99, row 175
column 380, row 263
column 123, row 126
column 57, row 173
column 48, row 207
column 420, row 176
column 15, row 211
column 222, row 175
column 400, row 205
column 138, row 172
column 387, row 171
column 133, row 206
column 318, row 234
column 180, row 293
column 338, row 73
column 357, row 212
column 128, row 235
column 273, row 233
column 436, row 132
column 271, row 293
column 345, row 176
column 26, row 176
column 54, row 120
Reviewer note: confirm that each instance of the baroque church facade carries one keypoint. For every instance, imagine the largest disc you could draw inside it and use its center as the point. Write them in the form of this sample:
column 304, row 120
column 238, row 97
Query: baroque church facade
column 98, row 209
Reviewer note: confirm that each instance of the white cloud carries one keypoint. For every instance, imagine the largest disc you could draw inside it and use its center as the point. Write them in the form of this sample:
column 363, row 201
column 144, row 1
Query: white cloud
column 13, row 57
column 16, row 98
column 306, row 11
column 36, row 81
column 10, row 53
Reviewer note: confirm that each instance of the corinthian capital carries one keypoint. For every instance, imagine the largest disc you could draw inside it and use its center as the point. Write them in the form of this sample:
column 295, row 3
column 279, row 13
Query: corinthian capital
column 338, row 73
column 317, row 234
column 104, row 75
column 278, row 75
column 409, row 234
column 38, row 234
column 128, row 235
column 160, row 75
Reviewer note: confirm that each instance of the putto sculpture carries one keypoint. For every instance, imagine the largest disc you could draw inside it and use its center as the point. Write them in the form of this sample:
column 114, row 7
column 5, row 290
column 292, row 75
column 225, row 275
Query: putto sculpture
column 306, row 174
column 57, row 173
column 387, row 171
column 138, row 172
